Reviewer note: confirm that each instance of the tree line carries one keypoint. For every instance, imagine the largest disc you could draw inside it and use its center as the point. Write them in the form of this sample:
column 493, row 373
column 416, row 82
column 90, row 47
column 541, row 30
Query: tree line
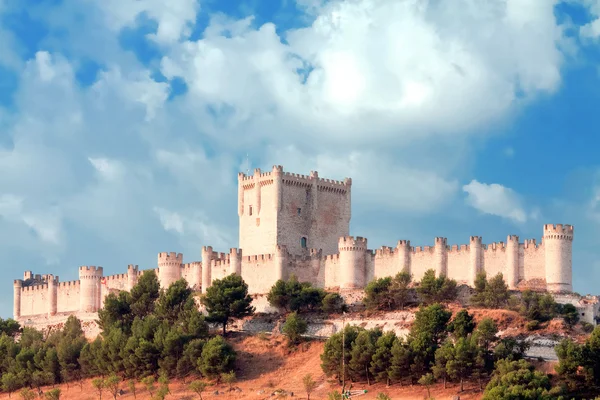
column 145, row 333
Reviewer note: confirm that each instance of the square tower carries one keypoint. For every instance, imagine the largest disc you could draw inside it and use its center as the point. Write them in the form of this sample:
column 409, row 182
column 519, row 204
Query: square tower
column 298, row 211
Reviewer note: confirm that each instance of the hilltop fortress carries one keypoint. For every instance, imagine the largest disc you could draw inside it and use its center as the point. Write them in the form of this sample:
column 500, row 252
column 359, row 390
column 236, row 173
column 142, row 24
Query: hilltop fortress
column 298, row 224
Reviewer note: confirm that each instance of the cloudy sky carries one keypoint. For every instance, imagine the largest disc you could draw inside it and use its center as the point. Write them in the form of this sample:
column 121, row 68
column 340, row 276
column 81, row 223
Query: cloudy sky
column 123, row 123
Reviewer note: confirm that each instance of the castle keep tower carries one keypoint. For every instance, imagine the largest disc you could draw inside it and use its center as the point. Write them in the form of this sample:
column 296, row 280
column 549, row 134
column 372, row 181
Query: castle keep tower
column 297, row 211
column 169, row 268
column 90, row 289
column 558, row 248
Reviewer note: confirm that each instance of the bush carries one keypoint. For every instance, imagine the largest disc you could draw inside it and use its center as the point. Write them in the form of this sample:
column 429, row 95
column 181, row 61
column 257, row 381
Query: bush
column 217, row 357
column 333, row 303
column 292, row 295
column 570, row 315
column 294, row 327
column 533, row 325
column 586, row 326
column 436, row 290
column 537, row 306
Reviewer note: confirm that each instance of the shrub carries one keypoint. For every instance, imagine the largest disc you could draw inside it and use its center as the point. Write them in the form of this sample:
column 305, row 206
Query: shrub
column 533, row 325
column 333, row 303
column 586, row 326
column 436, row 290
column 294, row 327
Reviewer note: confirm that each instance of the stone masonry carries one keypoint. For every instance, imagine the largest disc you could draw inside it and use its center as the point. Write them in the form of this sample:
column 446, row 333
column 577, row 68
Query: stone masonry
column 299, row 224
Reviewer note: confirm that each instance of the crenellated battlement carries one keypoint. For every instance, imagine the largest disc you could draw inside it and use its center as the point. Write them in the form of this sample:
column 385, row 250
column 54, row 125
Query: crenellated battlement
column 384, row 251
column 86, row 272
column 495, row 246
column 262, row 258
column 558, row 232
column 423, row 249
column 531, row 243
column 403, row 243
column 351, row 243
column 133, row 268
column 168, row 258
column 116, row 277
column 191, row 265
column 69, row 284
column 559, row 229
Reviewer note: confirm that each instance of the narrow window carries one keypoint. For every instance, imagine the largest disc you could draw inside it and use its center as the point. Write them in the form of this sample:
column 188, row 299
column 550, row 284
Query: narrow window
column 307, row 195
column 250, row 210
column 303, row 242
column 299, row 211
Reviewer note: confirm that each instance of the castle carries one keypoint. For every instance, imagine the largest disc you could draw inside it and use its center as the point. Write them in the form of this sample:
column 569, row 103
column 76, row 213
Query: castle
column 298, row 224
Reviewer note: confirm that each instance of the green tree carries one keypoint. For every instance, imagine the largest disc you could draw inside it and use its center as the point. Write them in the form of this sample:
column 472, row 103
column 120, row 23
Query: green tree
column 400, row 361
column 217, row 357
column 99, row 385
column 116, row 312
column 382, row 358
column 112, row 384
column 436, row 290
column 294, row 327
column 226, row 299
column 443, row 356
column 309, row 385
column 144, row 294
column 10, row 383
column 174, row 302
column 570, row 359
column 400, row 289
column 9, row 327
column 229, row 378
column 462, row 325
column 27, row 394
column 292, row 295
column 570, row 315
column 337, row 346
column 333, row 303
column 53, row 394
column 198, row 387
column 378, row 295
column 427, row 380
column 131, row 386
column 496, row 292
column 149, row 383
column 480, row 284
column 517, row 380
column 361, row 353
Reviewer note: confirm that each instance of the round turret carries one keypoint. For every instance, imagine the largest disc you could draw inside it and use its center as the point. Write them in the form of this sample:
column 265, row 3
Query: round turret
column 207, row 256
column 475, row 258
column 403, row 252
column 558, row 249
column 52, row 294
column 89, row 288
column 169, row 268
column 352, row 261
column 512, row 261
column 18, row 287
column 441, row 256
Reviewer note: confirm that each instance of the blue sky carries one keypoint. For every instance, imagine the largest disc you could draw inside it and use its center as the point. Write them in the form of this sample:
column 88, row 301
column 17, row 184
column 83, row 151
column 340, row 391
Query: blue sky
column 123, row 123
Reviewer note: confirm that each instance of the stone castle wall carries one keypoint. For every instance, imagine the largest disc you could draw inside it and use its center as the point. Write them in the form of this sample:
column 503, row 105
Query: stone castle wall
column 293, row 224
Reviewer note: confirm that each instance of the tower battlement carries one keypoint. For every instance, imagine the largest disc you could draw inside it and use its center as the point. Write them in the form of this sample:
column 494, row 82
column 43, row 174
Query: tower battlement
column 90, row 271
column 171, row 257
column 552, row 230
column 351, row 243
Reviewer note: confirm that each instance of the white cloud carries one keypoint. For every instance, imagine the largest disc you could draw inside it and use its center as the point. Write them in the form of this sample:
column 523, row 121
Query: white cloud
column 389, row 69
column 171, row 221
column 495, row 199
column 174, row 17
column 378, row 181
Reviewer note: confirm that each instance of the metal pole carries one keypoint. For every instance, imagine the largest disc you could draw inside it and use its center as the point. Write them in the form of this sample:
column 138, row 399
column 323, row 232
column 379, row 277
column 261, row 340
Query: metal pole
column 343, row 352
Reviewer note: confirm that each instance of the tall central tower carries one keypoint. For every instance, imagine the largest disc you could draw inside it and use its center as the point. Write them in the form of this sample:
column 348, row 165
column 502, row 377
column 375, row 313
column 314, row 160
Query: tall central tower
column 299, row 212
